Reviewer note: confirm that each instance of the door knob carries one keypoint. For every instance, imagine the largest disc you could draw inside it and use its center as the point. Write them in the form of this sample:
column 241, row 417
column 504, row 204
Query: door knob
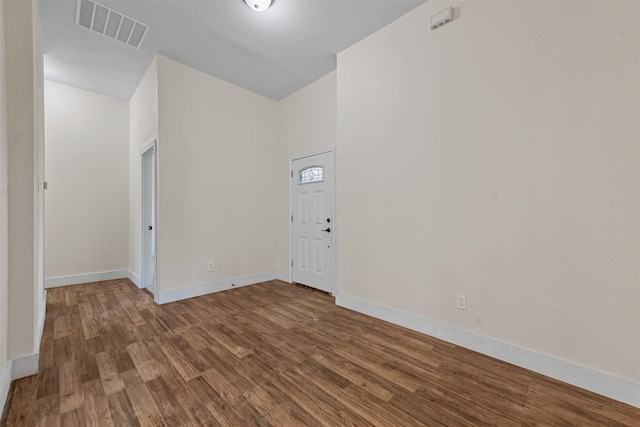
column 328, row 230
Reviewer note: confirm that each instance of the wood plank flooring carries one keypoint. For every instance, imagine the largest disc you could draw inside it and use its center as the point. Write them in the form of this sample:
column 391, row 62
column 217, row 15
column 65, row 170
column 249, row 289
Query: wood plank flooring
column 271, row 354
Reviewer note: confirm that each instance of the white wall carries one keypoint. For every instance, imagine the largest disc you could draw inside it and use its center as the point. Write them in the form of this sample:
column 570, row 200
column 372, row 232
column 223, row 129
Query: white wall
column 87, row 202
column 143, row 129
column 307, row 124
column 498, row 157
column 25, row 107
column 5, row 375
column 216, row 179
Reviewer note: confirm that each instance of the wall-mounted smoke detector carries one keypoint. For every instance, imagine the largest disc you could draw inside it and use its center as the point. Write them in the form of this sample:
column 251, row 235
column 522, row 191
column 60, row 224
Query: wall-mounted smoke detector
column 106, row 21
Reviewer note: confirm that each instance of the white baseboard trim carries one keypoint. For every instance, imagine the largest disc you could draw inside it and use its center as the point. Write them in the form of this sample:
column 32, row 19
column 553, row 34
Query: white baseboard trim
column 134, row 278
column 283, row 275
column 606, row 384
column 24, row 366
column 5, row 384
column 54, row 282
column 207, row 288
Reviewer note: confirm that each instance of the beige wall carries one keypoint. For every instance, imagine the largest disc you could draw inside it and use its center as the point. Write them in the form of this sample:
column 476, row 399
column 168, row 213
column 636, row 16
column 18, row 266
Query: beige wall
column 216, row 179
column 498, row 157
column 38, row 112
column 143, row 129
column 87, row 203
column 307, row 124
column 4, row 290
column 25, row 140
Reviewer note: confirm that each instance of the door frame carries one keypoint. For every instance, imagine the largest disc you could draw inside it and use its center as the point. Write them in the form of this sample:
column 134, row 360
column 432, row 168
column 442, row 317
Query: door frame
column 334, row 226
column 144, row 273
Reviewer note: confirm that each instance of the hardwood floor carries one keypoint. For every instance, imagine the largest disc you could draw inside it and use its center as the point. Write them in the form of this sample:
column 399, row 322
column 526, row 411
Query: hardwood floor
column 271, row 354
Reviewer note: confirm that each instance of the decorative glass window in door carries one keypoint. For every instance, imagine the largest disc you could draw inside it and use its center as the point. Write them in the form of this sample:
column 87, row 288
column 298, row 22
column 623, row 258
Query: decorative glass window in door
column 311, row 174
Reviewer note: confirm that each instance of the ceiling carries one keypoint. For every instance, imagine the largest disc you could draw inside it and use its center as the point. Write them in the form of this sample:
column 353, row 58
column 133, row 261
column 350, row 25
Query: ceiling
column 273, row 53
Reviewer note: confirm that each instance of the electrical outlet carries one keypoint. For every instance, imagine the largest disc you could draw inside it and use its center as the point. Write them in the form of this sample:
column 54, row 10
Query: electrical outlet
column 210, row 266
column 461, row 302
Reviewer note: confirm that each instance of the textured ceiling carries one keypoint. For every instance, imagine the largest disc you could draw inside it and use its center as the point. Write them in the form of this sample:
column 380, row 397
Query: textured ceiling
column 273, row 53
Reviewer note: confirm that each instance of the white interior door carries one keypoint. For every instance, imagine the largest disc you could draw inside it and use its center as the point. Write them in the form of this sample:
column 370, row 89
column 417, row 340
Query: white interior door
column 148, row 222
column 312, row 223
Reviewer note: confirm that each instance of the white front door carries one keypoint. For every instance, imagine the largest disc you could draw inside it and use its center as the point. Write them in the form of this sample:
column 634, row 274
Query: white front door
column 312, row 225
column 148, row 222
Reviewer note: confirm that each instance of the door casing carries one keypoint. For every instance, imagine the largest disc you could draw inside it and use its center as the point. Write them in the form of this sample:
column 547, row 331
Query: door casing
column 148, row 277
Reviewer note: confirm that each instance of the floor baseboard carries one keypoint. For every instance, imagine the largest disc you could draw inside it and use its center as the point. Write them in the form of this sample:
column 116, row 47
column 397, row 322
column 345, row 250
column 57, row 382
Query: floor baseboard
column 165, row 297
column 134, row 278
column 604, row 383
column 24, row 366
column 283, row 276
column 54, row 282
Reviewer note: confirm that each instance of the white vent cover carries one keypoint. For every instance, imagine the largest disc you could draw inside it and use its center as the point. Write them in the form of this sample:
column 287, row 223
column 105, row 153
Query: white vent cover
column 106, row 21
column 441, row 18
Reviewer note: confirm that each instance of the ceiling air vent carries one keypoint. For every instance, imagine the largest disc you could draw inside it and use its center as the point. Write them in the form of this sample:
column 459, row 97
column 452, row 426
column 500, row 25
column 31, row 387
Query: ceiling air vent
column 106, row 21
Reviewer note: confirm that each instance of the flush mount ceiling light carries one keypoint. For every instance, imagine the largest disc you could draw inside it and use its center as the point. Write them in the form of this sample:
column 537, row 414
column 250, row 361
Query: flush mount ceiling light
column 259, row 5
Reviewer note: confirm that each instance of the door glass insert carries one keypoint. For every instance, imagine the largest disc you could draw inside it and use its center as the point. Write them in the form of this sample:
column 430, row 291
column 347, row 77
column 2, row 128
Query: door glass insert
column 311, row 174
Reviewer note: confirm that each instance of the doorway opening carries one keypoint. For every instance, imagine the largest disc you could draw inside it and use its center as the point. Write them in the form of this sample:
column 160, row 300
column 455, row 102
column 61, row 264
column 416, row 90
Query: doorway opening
column 148, row 219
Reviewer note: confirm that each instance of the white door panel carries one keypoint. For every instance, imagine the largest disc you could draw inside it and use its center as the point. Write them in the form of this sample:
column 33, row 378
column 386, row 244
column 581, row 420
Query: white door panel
column 312, row 221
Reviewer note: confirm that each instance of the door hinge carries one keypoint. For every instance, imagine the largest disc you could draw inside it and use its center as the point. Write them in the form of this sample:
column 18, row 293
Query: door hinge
column 291, row 218
column 291, row 263
column 291, row 174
